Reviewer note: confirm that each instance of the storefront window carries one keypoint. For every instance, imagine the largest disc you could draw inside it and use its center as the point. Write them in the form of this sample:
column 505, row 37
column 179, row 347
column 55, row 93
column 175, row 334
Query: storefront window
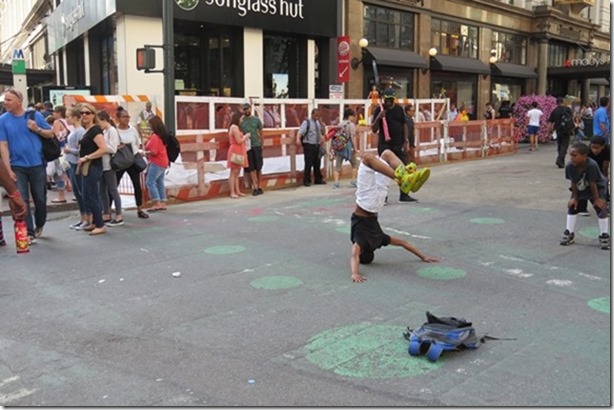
column 282, row 68
column 109, row 65
column 456, row 39
column 557, row 54
column 208, row 60
column 400, row 80
column 505, row 90
column 511, row 48
column 460, row 89
column 390, row 28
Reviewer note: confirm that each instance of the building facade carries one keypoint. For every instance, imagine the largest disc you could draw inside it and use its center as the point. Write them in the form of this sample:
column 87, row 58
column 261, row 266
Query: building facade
column 480, row 51
column 472, row 51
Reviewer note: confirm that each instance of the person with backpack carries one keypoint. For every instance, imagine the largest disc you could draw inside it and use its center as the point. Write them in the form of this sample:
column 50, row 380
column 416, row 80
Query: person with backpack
column 310, row 136
column 366, row 234
column 21, row 151
column 155, row 150
column 344, row 146
column 561, row 120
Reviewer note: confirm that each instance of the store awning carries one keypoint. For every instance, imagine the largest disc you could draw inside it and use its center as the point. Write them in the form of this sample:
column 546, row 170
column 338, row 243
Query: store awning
column 581, row 72
column 33, row 77
column 513, row 70
column 459, row 65
column 396, row 57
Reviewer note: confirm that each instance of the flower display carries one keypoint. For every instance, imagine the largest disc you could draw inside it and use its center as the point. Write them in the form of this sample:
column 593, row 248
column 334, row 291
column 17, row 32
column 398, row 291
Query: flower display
column 546, row 103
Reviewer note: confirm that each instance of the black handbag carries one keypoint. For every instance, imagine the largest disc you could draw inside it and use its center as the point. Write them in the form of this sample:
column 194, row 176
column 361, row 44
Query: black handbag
column 51, row 148
column 123, row 158
column 139, row 162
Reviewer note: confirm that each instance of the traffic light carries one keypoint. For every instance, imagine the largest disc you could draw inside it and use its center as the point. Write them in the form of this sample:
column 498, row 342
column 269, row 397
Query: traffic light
column 145, row 58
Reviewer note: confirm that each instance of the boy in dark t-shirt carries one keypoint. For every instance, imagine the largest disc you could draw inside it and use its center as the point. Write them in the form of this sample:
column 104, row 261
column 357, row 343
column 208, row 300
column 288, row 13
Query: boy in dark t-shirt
column 587, row 184
column 600, row 153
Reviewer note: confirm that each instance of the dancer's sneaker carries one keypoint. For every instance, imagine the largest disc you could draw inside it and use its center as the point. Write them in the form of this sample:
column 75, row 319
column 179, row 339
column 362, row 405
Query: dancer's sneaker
column 568, row 238
column 604, row 241
column 420, row 177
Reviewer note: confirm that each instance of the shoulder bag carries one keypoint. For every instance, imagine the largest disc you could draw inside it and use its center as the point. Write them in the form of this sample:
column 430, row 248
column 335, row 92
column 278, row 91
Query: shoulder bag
column 123, row 158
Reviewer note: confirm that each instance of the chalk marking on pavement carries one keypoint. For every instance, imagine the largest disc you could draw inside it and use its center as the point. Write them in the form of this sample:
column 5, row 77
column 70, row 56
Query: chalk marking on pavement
column 519, row 273
column 559, row 282
column 144, row 250
column 406, row 233
column 591, row 277
column 338, row 222
column 8, row 380
column 511, row 258
column 21, row 393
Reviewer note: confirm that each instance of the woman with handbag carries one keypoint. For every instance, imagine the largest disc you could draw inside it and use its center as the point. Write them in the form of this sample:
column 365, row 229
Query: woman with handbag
column 71, row 151
column 91, row 149
column 108, row 185
column 130, row 135
column 155, row 150
column 237, row 155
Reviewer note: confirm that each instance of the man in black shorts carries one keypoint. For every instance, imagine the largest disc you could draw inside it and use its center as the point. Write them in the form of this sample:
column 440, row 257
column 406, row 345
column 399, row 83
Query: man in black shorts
column 252, row 125
column 374, row 175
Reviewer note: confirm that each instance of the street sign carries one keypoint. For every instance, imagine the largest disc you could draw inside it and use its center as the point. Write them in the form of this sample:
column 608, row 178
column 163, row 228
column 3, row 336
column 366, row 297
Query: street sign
column 19, row 62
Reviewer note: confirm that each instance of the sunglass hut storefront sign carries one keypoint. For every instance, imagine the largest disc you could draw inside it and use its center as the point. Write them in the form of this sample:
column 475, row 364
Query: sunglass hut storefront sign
column 300, row 16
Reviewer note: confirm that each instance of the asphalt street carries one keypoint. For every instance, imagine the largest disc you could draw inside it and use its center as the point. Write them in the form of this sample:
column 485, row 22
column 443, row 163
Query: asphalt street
column 249, row 302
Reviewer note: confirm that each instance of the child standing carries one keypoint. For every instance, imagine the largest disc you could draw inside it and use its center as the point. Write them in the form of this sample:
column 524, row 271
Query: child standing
column 587, row 184
column 349, row 152
column 534, row 115
column 374, row 175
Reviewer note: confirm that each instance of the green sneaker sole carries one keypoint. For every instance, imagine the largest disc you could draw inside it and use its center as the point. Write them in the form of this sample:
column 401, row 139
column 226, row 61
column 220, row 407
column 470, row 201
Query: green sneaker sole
column 419, row 179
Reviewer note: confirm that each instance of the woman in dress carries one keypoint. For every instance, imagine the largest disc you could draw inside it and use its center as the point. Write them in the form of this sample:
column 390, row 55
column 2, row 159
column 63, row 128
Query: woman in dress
column 91, row 149
column 237, row 147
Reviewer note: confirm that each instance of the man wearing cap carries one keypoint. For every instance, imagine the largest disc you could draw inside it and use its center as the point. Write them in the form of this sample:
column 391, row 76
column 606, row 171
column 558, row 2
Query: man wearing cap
column 22, row 153
column 389, row 122
column 252, row 125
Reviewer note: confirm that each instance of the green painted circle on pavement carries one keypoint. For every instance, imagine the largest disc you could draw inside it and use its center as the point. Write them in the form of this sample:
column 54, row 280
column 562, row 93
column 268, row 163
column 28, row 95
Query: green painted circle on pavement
column 225, row 249
column 441, row 273
column 590, row 232
column 366, row 351
column 276, row 282
column 263, row 218
column 600, row 304
column 487, row 221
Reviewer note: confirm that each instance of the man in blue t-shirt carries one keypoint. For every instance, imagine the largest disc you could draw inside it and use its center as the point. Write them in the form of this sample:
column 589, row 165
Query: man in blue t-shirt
column 22, row 153
column 601, row 121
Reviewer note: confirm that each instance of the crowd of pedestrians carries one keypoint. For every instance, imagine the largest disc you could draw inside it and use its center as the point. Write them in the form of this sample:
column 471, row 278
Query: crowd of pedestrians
column 89, row 139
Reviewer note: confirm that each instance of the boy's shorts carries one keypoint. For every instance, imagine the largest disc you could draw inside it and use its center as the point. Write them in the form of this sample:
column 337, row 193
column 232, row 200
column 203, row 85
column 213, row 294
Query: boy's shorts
column 366, row 232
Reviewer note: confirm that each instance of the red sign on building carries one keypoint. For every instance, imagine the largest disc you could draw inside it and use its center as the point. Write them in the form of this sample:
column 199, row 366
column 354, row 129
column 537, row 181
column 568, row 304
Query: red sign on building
column 343, row 59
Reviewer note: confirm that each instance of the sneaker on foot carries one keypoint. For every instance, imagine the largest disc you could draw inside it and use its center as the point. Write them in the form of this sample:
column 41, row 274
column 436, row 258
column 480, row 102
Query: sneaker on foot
column 115, row 222
column 38, row 232
column 400, row 172
column 568, row 238
column 604, row 241
column 260, row 191
column 419, row 179
column 76, row 225
column 82, row 226
column 31, row 240
column 336, row 185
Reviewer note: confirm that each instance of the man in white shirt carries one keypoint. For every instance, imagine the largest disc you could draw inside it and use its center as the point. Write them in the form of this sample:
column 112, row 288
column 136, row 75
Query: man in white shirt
column 374, row 175
column 534, row 115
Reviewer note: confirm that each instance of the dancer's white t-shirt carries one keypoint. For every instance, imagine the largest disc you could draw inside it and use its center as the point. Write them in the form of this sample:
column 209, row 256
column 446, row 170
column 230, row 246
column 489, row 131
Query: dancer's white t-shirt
column 371, row 188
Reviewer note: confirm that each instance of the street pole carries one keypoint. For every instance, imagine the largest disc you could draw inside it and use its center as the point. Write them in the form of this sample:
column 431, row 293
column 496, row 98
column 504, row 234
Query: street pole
column 169, row 64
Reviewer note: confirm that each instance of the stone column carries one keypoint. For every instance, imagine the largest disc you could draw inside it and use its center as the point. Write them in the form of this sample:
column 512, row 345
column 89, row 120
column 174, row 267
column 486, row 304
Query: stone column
column 542, row 67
